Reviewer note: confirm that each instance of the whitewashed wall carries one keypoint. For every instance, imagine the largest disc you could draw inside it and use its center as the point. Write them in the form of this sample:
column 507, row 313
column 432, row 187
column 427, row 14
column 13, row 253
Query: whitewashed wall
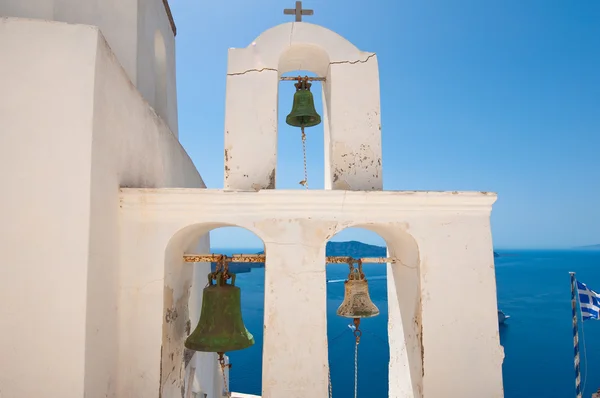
column 130, row 28
column 441, row 239
column 73, row 130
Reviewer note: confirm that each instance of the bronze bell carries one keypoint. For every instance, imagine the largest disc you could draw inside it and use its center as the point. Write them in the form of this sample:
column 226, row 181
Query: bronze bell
column 220, row 328
column 357, row 302
column 303, row 112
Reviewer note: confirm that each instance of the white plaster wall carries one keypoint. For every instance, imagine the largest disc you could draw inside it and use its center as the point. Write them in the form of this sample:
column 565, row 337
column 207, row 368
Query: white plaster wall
column 75, row 129
column 442, row 243
column 133, row 147
column 152, row 18
column 128, row 26
column 351, row 114
column 46, row 111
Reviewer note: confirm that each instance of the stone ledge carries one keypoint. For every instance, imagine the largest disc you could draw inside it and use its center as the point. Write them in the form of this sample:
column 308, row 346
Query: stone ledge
column 291, row 203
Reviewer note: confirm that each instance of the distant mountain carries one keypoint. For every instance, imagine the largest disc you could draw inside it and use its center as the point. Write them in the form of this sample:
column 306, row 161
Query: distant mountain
column 354, row 249
column 589, row 247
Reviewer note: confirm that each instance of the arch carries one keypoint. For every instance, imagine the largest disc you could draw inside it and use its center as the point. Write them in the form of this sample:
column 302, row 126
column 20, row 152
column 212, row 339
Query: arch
column 160, row 76
column 404, row 307
column 309, row 57
column 181, row 310
column 273, row 42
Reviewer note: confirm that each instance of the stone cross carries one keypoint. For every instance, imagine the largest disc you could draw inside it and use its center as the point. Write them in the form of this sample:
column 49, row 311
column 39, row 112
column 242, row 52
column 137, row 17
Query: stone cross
column 298, row 11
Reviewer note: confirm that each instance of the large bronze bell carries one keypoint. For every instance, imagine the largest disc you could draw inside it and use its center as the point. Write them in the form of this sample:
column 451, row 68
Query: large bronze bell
column 357, row 302
column 303, row 112
column 220, row 328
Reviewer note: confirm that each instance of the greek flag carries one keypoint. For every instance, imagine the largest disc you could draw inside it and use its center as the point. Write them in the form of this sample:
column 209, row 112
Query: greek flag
column 589, row 302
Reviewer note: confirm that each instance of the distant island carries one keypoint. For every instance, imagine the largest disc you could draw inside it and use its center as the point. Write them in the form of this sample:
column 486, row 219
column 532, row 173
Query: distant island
column 589, row 247
column 350, row 248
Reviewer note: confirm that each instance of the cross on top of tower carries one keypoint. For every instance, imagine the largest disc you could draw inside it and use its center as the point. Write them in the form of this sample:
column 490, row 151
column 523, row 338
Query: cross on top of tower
column 298, row 11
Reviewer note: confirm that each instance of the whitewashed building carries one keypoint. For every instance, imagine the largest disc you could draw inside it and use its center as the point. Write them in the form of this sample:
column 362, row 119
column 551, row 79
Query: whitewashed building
column 101, row 201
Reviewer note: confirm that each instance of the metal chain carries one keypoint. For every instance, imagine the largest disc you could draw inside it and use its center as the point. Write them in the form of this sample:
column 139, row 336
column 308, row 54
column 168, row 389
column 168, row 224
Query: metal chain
column 225, row 387
column 356, row 369
column 305, row 181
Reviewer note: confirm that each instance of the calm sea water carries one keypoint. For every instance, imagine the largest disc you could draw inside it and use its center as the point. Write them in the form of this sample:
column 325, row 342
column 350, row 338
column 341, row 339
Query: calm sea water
column 533, row 288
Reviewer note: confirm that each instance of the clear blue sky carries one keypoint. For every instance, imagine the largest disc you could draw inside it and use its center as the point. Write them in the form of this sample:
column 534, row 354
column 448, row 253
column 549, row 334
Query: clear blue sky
column 499, row 96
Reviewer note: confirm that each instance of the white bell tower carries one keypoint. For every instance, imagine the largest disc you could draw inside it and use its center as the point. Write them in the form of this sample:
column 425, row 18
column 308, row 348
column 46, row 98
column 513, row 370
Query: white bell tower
column 351, row 112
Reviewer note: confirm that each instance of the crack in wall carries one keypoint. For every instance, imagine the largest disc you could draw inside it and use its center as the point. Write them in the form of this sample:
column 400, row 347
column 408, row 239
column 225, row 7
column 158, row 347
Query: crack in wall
column 353, row 62
column 251, row 70
column 362, row 61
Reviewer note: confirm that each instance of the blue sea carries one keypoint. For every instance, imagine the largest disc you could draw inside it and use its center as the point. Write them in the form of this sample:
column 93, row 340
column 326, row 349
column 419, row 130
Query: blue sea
column 533, row 288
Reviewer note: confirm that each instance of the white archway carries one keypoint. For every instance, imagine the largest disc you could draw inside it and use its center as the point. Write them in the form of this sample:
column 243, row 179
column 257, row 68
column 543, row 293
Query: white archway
column 404, row 307
column 182, row 310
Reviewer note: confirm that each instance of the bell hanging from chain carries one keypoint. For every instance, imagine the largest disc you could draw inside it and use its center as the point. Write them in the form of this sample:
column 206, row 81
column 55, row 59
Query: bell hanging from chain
column 303, row 112
column 357, row 301
column 220, row 328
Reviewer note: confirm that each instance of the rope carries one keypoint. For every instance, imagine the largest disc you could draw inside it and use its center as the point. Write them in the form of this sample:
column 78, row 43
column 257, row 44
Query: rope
column 305, row 181
column 225, row 387
column 329, row 378
column 356, row 369
column 329, row 368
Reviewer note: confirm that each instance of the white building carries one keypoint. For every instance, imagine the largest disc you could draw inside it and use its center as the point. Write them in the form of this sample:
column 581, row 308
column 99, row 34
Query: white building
column 101, row 201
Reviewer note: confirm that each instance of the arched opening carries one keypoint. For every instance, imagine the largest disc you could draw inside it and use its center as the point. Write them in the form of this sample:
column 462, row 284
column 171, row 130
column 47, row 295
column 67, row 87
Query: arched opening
column 373, row 350
column 290, row 146
column 183, row 295
column 390, row 353
column 160, row 76
column 312, row 61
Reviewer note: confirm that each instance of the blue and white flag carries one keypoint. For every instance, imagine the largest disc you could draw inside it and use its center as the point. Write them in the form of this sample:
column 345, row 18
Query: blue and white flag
column 589, row 301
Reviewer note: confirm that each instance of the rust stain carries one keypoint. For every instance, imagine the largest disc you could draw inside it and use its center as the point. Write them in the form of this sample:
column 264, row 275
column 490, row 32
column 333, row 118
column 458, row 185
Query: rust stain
column 176, row 328
column 171, row 315
column 271, row 180
column 422, row 349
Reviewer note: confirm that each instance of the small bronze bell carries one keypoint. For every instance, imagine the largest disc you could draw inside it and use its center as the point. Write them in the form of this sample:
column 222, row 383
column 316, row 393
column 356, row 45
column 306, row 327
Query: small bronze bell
column 220, row 328
column 357, row 302
column 303, row 112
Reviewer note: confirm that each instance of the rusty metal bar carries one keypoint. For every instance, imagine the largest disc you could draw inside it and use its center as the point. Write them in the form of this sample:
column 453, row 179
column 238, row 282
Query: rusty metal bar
column 213, row 258
column 310, row 79
column 260, row 258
